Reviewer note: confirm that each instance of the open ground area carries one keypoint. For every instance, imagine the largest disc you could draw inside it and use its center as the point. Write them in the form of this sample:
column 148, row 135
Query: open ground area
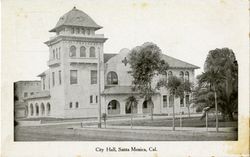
column 118, row 129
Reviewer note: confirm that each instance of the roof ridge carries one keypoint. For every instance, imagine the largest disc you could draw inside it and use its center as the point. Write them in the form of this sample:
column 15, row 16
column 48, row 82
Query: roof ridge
column 181, row 60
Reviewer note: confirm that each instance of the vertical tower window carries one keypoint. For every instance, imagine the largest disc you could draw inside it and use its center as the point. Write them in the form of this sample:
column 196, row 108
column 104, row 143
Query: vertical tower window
column 60, row 76
column 59, row 54
column 93, row 76
column 92, row 52
column 70, row 105
column 73, row 76
column 77, row 104
column 91, row 99
column 96, row 99
column 82, row 51
column 53, row 78
column 43, row 82
column 165, row 103
column 83, row 31
column 186, row 76
column 54, row 55
column 72, row 51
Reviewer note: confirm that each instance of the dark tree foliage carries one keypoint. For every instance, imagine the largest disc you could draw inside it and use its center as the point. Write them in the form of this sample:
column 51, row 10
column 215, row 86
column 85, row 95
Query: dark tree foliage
column 145, row 62
column 220, row 76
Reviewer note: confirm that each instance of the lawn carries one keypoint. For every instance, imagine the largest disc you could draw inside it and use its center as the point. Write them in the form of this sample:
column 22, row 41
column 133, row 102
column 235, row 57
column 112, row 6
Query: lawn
column 167, row 122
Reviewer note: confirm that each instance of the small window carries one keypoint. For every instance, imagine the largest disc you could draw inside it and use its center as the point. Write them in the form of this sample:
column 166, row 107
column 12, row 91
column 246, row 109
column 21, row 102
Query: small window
column 165, row 103
column 96, row 99
column 54, row 55
column 43, row 82
column 93, row 76
column 82, row 51
column 59, row 53
column 83, row 31
column 72, row 52
column 60, row 77
column 32, row 93
column 186, row 76
column 73, row 76
column 88, row 31
column 170, row 74
column 92, row 52
column 182, row 75
column 187, row 100
column 171, row 100
column 181, row 102
column 53, row 78
column 91, row 99
column 77, row 105
column 72, row 30
column 78, row 30
column 70, row 105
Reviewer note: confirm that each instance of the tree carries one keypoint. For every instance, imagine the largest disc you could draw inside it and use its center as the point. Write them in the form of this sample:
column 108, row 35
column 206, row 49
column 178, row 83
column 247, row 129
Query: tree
column 177, row 88
column 131, row 102
column 221, row 77
column 145, row 62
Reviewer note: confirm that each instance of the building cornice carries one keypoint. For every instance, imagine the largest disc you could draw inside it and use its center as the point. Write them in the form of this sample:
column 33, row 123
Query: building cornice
column 59, row 38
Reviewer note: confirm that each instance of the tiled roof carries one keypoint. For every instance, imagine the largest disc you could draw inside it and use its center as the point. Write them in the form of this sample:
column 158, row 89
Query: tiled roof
column 107, row 56
column 76, row 17
column 173, row 62
column 176, row 63
column 42, row 94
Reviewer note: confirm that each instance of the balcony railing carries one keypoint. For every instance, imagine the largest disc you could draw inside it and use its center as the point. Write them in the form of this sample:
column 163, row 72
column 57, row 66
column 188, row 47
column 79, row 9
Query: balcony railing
column 83, row 60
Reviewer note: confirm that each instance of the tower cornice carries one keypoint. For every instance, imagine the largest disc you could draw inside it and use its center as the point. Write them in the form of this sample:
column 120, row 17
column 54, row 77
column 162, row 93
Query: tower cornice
column 96, row 39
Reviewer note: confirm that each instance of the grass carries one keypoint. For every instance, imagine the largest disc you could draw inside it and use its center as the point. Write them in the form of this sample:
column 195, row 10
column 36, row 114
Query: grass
column 186, row 122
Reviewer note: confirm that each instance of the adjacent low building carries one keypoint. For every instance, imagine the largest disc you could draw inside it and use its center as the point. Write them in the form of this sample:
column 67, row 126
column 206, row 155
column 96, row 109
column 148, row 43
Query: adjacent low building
column 71, row 88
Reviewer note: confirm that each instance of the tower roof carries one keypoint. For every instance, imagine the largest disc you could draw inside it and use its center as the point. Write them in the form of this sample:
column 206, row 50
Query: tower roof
column 76, row 17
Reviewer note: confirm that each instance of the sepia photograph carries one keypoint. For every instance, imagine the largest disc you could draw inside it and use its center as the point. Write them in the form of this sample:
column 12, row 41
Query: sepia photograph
column 146, row 73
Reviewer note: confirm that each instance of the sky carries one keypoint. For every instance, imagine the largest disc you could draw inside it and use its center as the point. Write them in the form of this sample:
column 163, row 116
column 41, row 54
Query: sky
column 186, row 30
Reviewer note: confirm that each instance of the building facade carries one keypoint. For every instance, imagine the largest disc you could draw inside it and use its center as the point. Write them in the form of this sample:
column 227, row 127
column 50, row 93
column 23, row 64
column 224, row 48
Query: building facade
column 23, row 90
column 71, row 87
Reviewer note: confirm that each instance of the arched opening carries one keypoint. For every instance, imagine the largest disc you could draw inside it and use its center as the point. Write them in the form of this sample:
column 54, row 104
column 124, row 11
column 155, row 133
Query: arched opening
column 186, row 76
column 48, row 108
column 112, row 78
column 181, row 75
column 26, row 111
column 72, row 51
column 114, row 107
column 92, row 52
column 146, row 106
column 82, row 51
column 42, row 109
column 129, row 109
column 37, row 109
column 31, row 109
column 170, row 74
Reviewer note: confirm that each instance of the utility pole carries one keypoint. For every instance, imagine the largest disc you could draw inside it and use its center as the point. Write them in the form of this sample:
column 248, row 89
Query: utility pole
column 99, row 91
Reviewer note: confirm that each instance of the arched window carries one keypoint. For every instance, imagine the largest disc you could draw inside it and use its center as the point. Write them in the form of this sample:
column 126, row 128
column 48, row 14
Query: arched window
column 187, row 76
column 37, row 109
column 82, row 51
column 31, row 110
column 42, row 109
column 112, row 78
column 170, row 74
column 72, row 52
column 92, row 52
column 181, row 75
column 77, row 104
column 70, row 105
column 48, row 108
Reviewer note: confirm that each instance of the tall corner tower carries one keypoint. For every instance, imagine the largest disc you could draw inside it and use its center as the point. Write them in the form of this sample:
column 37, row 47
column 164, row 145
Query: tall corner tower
column 75, row 53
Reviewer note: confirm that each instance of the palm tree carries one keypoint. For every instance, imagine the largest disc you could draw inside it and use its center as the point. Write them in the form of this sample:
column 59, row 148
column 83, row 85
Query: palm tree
column 131, row 103
column 212, row 78
column 176, row 88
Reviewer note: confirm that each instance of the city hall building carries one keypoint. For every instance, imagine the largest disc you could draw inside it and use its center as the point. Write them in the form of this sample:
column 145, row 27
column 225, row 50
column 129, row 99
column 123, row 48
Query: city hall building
column 81, row 75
